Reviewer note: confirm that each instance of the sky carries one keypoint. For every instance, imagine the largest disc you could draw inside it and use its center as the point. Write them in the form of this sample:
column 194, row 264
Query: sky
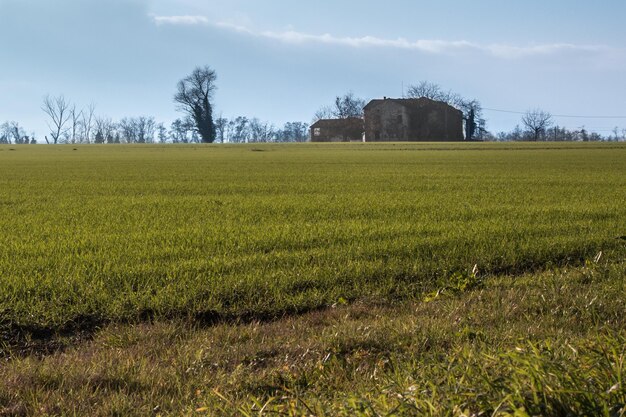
column 281, row 60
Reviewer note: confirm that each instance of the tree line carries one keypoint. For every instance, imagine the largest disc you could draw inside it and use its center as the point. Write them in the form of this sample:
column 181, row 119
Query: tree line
column 194, row 98
column 538, row 125
column 145, row 129
column 70, row 124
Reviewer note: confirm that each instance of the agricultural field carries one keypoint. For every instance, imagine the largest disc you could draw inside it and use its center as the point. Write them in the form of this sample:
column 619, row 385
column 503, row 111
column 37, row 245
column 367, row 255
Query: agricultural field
column 313, row 279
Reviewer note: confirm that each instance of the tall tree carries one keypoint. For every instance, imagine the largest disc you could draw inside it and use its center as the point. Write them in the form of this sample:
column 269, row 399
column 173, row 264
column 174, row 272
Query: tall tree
column 537, row 122
column 58, row 109
column 194, row 94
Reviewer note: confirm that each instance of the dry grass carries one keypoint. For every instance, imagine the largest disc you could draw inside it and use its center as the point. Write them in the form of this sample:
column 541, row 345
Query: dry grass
column 510, row 344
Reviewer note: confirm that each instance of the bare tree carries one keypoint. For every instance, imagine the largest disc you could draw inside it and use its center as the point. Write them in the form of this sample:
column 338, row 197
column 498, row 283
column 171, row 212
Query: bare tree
column 161, row 133
column 537, row 122
column 240, row 130
column 12, row 132
column 104, row 130
column 221, row 124
column 345, row 106
column 75, row 121
column 581, row 135
column 348, row 105
column 325, row 112
column 5, row 133
column 19, row 135
column 429, row 90
column 144, row 128
column 194, row 94
column 293, row 132
column 87, row 122
column 261, row 131
column 180, row 130
column 58, row 109
column 127, row 130
column 434, row 91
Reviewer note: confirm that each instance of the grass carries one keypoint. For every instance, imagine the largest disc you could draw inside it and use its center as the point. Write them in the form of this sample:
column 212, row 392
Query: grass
column 313, row 279
column 115, row 233
column 549, row 344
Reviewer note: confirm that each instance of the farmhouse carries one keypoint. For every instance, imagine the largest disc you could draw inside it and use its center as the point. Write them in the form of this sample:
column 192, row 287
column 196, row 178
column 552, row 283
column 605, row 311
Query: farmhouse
column 337, row 130
column 414, row 120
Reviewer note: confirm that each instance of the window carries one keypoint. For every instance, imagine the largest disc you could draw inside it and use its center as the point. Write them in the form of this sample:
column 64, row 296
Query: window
column 317, row 131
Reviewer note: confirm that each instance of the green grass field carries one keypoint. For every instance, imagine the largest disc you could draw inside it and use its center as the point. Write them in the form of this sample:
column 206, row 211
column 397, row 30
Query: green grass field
column 120, row 237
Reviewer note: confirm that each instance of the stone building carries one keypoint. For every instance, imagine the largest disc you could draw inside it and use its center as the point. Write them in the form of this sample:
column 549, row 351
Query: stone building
column 414, row 120
column 337, row 130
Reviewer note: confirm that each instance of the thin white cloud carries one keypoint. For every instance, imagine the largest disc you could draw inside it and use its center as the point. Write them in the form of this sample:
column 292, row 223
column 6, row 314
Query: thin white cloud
column 433, row 46
column 294, row 37
column 181, row 20
column 511, row 51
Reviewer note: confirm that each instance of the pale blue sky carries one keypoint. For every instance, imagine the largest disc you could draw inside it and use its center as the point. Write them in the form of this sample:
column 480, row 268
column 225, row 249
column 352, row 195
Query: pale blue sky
column 281, row 60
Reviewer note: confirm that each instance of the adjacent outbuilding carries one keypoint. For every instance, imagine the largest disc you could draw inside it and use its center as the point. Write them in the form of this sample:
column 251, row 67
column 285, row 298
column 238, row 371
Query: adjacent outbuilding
column 412, row 120
column 338, row 130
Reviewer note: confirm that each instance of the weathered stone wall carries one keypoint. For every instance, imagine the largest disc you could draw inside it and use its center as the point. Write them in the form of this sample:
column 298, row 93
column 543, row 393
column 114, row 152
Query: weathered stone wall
column 387, row 121
column 412, row 120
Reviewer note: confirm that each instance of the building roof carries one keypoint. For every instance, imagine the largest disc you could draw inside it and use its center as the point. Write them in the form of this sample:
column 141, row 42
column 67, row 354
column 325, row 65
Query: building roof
column 409, row 102
column 337, row 123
